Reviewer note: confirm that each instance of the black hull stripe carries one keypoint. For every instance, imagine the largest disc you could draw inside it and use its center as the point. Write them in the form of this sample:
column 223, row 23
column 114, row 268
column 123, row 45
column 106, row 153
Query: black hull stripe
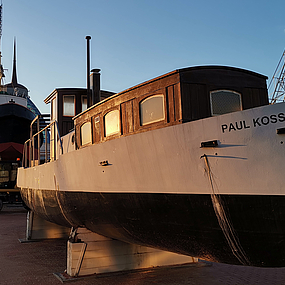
column 180, row 223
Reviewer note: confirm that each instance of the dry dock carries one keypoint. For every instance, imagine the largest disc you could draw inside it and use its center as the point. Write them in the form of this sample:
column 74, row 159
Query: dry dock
column 35, row 263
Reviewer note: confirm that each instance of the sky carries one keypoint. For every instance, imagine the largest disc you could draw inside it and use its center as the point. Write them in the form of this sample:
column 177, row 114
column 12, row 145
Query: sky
column 133, row 41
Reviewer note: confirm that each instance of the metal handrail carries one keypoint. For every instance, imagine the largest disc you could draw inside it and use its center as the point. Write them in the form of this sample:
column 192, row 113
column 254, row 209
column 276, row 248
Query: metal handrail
column 30, row 143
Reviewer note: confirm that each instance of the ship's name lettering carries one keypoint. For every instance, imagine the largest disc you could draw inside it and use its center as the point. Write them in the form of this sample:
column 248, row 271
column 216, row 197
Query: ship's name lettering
column 256, row 122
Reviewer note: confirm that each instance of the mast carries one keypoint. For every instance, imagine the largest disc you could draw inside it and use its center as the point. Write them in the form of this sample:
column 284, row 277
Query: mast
column 276, row 87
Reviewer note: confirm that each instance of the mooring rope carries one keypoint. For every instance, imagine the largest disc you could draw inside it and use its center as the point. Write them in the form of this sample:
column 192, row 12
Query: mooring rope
column 224, row 222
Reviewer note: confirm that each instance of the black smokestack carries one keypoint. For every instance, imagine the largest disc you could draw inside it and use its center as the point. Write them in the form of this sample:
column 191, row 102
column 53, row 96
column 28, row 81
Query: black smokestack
column 95, row 85
column 88, row 38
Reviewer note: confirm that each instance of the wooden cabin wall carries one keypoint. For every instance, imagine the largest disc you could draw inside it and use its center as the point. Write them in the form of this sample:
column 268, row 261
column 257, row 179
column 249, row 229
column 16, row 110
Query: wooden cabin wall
column 173, row 102
column 96, row 125
column 254, row 97
column 127, row 117
column 65, row 123
column 186, row 94
column 196, row 85
column 128, row 105
column 195, row 101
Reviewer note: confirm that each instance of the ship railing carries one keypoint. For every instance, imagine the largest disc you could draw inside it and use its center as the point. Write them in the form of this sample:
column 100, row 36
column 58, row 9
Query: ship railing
column 36, row 153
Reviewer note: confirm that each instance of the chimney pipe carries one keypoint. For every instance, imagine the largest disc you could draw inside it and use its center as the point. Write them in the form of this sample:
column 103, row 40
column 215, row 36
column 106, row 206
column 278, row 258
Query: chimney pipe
column 88, row 38
column 95, row 85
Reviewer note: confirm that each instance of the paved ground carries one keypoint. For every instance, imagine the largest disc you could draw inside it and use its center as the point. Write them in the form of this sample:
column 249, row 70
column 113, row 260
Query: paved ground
column 35, row 263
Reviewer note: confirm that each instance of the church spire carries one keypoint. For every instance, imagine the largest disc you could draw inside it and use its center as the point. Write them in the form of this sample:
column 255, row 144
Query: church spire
column 14, row 74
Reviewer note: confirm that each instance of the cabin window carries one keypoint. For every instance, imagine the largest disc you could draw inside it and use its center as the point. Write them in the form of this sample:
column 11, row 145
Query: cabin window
column 225, row 101
column 152, row 110
column 86, row 136
column 83, row 103
column 112, row 123
column 68, row 105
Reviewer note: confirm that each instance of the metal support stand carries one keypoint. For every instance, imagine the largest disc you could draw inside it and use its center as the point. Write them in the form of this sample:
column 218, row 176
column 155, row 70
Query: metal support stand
column 39, row 229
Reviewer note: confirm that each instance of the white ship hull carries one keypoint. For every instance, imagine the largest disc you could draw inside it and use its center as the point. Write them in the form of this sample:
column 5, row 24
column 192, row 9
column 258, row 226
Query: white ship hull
column 161, row 188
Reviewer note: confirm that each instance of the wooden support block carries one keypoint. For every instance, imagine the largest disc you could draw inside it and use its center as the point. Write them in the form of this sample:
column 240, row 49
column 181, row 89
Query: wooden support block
column 104, row 255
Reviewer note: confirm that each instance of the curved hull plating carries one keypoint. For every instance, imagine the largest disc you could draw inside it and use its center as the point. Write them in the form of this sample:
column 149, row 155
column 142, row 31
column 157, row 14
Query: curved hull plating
column 184, row 223
column 14, row 123
column 162, row 189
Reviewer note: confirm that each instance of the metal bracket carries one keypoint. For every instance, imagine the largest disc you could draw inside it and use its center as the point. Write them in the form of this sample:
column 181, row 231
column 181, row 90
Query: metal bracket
column 213, row 143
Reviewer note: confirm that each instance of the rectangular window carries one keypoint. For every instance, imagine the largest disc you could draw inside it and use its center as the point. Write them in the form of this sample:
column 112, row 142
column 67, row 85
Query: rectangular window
column 68, row 105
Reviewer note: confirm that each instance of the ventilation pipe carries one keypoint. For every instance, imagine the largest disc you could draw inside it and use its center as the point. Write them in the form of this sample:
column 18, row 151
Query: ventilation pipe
column 88, row 38
column 95, row 85
column 93, row 96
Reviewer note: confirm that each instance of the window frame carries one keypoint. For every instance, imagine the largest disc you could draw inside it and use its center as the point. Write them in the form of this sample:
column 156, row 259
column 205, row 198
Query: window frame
column 117, row 134
column 225, row 90
column 145, row 97
column 74, row 105
column 91, row 134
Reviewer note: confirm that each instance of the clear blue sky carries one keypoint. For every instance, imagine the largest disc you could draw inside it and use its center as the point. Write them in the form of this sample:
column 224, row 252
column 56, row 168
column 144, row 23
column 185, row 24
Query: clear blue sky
column 136, row 40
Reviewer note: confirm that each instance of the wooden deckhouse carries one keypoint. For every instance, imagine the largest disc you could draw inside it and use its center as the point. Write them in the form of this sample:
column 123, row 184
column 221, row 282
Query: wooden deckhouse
column 68, row 102
column 177, row 97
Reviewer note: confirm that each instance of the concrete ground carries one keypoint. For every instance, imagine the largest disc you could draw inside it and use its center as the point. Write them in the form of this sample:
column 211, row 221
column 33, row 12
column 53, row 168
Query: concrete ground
column 35, row 263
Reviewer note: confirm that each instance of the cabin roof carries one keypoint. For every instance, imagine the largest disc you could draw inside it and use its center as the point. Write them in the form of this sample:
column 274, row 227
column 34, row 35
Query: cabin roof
column 68, row 89
column 203, row 67
column 181, row 70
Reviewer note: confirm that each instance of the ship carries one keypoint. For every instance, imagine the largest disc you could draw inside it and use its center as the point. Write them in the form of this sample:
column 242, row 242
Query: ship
column 17, row 111
column 189, row 162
